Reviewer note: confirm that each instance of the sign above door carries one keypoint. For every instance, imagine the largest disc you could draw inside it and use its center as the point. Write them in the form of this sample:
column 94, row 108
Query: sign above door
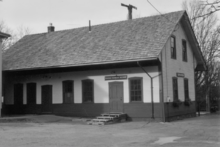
column 121, row 77
column 180, row 75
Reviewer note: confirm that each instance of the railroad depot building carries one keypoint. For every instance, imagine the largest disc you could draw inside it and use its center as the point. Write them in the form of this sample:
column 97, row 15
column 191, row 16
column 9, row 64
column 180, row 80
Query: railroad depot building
column 143, row 67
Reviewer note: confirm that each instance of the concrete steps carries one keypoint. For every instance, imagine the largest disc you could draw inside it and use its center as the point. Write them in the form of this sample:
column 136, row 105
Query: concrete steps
column 108, row 118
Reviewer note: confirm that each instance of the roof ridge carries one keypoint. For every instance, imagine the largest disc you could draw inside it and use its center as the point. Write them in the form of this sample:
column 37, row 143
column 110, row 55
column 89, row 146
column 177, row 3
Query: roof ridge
column 183, row 11
column 140, row 38
column 82, row 27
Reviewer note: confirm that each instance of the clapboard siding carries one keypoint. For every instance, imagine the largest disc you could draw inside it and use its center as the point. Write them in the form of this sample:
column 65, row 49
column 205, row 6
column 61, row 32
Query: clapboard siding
column 170, row 67
column 133, row 110
column 80, row 110
column 101, row 92
column 101, row 88
column 143, row 110
column 173, row 113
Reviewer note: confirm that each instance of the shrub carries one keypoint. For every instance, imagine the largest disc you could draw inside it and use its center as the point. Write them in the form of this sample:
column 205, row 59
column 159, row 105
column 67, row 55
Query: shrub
column 187, row 102
column 177, row 103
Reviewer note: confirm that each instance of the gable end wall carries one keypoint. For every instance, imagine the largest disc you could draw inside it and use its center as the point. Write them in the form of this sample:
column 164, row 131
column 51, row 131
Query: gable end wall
column 171, row 67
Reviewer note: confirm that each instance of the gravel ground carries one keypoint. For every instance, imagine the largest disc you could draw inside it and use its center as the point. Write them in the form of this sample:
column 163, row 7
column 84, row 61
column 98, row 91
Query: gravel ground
column 55, row 131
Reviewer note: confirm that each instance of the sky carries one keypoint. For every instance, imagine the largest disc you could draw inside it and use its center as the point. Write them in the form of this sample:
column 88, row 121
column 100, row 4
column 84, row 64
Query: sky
column 68, row 14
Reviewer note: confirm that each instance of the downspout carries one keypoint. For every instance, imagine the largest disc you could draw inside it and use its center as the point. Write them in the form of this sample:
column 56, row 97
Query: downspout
column 151, row 83
column 162, row 89
column 196, row 99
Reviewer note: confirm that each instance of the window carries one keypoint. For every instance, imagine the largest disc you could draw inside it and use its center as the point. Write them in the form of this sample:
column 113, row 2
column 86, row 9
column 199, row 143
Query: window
column 175, row 89
column 18, row 94
column 184, row 47
column 31, row 93
column 135, row 87
column 87, row 90
column 173, row 47
column 68, row 91
column 186, row 89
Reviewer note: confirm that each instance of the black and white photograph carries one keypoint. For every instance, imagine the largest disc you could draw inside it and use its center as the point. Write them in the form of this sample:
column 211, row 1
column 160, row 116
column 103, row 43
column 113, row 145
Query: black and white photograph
column 109, row 73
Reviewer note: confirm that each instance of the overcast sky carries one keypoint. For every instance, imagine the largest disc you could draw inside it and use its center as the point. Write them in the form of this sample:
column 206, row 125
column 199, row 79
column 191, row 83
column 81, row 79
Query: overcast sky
column 66, row 14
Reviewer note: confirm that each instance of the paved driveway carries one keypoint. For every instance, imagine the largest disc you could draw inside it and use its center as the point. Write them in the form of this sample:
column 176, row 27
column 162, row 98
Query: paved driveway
column 53, row 131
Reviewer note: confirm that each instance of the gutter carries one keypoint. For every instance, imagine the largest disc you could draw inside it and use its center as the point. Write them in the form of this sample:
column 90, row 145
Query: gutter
column 152, row 87
column 81, row 65
column 4, row 35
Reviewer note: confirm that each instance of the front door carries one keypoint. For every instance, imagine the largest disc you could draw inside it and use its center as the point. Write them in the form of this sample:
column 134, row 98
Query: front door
column 116, row 96
column 46, row 98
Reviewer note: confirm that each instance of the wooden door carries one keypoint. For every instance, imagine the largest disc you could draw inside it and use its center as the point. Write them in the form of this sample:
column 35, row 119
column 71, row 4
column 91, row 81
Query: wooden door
column 46, row 98
column 18, row 94
column 116, row 96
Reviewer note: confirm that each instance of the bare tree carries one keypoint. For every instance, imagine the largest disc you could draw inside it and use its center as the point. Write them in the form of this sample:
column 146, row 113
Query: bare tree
column 4, row 28
column 207, row 31
column 17, row 34
column 210, row 6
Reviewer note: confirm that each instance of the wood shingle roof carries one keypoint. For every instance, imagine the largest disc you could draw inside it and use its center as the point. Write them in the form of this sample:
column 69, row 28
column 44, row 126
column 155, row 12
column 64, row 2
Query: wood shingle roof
column 137, row 39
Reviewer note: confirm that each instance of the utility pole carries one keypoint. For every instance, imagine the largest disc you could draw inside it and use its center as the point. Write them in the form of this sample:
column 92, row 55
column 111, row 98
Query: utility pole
column 130, row 7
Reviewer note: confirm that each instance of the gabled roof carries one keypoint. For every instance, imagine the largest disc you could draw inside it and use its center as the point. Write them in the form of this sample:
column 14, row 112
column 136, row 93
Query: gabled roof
column 131, row 40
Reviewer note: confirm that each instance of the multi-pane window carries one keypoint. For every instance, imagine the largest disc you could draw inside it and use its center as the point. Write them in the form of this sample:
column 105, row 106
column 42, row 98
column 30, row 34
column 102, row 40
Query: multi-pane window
column 135, row 86
column 175, row 89
column 88, row 90
column 173, row 47
column 186, row 89
column 31, row 93
column 184, row 47
column 68, row 91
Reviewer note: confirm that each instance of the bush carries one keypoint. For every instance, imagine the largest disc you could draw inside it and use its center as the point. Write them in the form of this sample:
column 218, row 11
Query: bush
column 177, row 103
column 187, row 102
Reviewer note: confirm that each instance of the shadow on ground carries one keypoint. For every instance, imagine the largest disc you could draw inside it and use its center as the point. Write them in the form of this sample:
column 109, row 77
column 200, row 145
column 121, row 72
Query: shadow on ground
column 42, row 119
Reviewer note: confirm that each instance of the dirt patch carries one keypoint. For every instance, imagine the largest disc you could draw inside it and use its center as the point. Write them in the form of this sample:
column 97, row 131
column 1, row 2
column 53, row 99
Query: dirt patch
column 56, row 131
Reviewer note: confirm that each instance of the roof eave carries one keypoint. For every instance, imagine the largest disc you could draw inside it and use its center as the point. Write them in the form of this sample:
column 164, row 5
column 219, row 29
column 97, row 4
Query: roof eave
column 4, row 35
column 197, row 50
column 200, row 67
column 80, row 65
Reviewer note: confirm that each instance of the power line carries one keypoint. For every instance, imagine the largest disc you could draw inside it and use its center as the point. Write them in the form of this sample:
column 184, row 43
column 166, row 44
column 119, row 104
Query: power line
column 163, row 15
column 159, row 11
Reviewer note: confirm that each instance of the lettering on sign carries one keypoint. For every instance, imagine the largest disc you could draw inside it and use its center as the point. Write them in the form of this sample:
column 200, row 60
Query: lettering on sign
column 180, row 75
column 122, row 77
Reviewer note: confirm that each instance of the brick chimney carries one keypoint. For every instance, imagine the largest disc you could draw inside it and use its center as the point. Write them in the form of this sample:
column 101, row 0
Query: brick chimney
column 51, row 28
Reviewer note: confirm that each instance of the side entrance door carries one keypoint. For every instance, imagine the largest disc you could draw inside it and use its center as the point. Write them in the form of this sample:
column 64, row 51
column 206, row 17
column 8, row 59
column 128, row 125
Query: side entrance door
column 18, row 94
column 46, row 98
column 116, row 96
column 18, row 98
